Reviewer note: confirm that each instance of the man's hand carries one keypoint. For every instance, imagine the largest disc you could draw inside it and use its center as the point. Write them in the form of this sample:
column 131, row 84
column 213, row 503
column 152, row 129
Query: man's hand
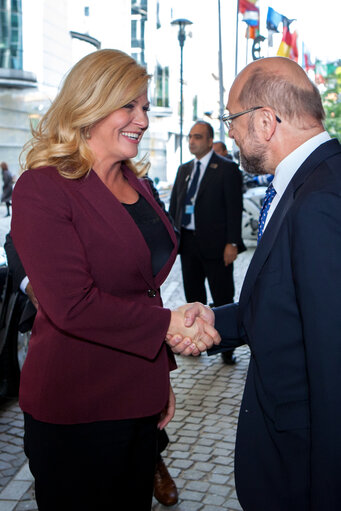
column 30, row 293
column 230, row 253
column 168, row 413
column 195, row 334
column 197, row 310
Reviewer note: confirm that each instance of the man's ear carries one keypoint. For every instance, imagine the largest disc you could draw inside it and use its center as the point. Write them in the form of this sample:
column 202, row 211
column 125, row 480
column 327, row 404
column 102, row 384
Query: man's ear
column 268, row 123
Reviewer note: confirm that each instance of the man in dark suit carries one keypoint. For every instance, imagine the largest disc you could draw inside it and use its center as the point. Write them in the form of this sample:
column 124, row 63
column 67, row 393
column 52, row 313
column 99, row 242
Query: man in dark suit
column 206, row 205
column 288, row 448
column 219, row 147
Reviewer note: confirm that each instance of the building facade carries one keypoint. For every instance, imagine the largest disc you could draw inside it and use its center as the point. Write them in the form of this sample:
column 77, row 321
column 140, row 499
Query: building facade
column 41, row 39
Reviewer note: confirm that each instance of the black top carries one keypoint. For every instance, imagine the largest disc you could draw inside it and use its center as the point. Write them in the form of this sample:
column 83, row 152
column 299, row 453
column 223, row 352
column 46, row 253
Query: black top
column 153, row 231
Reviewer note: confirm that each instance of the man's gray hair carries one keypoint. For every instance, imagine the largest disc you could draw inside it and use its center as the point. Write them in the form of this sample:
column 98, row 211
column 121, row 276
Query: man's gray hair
column 287, row 99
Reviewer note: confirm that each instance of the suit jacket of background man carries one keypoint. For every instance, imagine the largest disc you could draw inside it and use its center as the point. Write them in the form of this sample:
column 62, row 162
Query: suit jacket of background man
column 17, row 274
column 97, row 349
column 288, row 449
column 218, row 205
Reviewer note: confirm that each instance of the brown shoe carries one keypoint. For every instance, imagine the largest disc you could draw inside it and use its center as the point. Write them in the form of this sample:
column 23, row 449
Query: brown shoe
column 165, row 490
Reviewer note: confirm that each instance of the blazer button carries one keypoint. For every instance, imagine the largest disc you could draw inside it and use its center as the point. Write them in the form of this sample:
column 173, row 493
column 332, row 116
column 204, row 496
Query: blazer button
column 151, row 293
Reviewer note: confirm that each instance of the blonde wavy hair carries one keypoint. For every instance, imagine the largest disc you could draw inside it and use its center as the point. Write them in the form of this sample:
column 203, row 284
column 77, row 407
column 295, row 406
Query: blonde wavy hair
column 96, row 86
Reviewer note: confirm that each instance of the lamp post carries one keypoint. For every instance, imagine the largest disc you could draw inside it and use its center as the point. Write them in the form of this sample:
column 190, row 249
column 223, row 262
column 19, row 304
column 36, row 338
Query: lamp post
column 181, row 22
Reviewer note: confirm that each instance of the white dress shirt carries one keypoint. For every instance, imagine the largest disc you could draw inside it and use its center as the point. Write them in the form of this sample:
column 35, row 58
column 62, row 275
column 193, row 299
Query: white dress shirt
column 286, row 169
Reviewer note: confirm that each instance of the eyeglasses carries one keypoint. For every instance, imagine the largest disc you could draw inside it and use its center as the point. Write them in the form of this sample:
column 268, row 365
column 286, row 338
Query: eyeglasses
column 227, row 119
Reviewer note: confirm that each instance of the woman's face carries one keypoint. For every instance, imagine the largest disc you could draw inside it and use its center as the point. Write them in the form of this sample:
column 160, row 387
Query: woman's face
column 117, row 136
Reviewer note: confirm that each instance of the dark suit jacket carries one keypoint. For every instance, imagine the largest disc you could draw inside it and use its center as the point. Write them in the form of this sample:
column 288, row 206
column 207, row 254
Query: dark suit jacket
column 97, row 348
column 17, row 274
column 218, row 206
column 288, row 450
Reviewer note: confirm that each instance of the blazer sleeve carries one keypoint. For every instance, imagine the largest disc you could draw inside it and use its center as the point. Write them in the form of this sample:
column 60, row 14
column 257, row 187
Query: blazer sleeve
column 52, row 252
column 234, row 204
column 228, row 325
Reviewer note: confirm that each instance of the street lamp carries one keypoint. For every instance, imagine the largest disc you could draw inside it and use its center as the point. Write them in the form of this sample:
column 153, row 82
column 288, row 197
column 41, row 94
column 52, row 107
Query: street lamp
column 181, row 37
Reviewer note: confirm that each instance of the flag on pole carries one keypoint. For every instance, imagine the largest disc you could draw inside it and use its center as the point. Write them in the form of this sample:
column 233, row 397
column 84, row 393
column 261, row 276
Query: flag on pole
column 306, row 60
column 273, row 19
column 286, row 43
column 294, row 50
column 251, row 17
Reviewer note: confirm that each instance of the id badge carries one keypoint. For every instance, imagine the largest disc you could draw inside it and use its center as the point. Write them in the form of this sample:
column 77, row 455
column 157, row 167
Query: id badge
column 189, row 210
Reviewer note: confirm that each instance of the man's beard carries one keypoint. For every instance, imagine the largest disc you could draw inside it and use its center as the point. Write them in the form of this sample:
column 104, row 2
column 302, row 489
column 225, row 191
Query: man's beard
column 256, row 163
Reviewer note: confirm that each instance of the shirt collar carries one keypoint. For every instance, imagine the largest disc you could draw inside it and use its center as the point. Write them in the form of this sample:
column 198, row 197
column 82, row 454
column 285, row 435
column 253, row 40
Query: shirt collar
column 204, row 160
column 291, row 163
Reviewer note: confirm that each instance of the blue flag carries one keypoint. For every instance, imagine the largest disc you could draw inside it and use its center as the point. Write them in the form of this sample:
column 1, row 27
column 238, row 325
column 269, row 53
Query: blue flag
column 273, row 20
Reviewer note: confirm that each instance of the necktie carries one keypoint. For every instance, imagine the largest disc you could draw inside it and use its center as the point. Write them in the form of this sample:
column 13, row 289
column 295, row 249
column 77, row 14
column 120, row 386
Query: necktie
column 188, row 209
column 269, row 195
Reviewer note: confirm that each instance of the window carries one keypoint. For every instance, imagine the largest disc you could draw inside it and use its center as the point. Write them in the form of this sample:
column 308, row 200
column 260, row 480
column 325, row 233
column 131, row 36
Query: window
column 161, row 92
column 10, row 34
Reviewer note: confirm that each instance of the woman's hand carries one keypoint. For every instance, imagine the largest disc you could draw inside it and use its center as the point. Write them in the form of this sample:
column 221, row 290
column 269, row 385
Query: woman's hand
column 194, row 335
column 168, row 413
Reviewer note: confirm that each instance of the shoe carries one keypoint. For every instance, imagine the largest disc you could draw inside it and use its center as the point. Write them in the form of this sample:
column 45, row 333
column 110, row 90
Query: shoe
column 229, row 358
column 165, row 490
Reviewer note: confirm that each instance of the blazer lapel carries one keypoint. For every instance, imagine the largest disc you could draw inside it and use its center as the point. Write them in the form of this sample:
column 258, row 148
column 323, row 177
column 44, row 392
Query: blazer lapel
column 119, row 221
column 142, row 189
column 262, row 251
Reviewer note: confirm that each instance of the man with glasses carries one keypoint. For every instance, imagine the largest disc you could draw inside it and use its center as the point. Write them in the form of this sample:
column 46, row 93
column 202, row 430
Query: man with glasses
column 206, row 205
column 288, row 447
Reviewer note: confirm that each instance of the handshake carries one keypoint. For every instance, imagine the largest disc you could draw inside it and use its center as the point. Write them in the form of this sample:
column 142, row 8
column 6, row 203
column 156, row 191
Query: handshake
column 191, row 329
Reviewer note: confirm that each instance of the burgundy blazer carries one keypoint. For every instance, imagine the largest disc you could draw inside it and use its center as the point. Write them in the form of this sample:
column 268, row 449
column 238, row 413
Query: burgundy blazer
column 97, row 349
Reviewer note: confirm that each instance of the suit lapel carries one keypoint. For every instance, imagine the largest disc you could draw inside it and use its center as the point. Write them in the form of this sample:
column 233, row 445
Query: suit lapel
column 208, row 175
column 324, row 151
column 186, row 173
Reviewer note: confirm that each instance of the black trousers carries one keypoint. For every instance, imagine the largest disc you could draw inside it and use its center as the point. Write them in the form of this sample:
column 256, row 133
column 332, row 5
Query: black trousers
column 162, row 442
column 96, row 466
column 196, row 268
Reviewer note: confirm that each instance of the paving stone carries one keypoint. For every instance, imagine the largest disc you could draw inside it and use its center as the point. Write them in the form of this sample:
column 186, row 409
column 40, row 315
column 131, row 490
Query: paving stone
column 216, row 500
column 222, row 490
column 199, row 486
column 192, row 495
column 193, row 475
column 201, row 457
column 233, row 505
column 202, row 449
column 184, row 464
column 7, row 505
column 218, row 479
column 204, row 467
column 15, row 489
column 211, row 508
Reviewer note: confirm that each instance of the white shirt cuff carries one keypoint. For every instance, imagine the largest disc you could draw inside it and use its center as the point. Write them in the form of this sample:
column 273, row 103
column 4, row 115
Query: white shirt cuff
column 23, row 284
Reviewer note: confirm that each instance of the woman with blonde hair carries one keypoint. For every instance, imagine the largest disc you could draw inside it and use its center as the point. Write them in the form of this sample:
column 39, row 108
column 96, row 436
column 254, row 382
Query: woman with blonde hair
column 96, row 247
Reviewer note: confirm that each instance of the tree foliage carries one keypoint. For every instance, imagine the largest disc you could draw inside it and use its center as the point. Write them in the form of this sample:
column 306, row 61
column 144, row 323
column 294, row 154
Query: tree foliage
column 331, row 98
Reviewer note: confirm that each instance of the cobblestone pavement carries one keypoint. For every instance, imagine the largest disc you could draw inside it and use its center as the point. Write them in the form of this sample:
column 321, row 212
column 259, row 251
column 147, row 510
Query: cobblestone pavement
column 202, row 433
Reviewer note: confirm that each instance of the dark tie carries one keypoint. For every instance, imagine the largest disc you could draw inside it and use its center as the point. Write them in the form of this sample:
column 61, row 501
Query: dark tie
column 186, row 217
column 269, row 195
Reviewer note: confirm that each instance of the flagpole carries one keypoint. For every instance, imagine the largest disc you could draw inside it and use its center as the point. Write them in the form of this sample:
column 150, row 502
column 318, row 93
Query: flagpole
column 236, row 57
column 221, row 86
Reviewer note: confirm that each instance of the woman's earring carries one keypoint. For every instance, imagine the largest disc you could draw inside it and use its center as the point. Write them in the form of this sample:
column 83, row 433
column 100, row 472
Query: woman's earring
column 87, row 133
